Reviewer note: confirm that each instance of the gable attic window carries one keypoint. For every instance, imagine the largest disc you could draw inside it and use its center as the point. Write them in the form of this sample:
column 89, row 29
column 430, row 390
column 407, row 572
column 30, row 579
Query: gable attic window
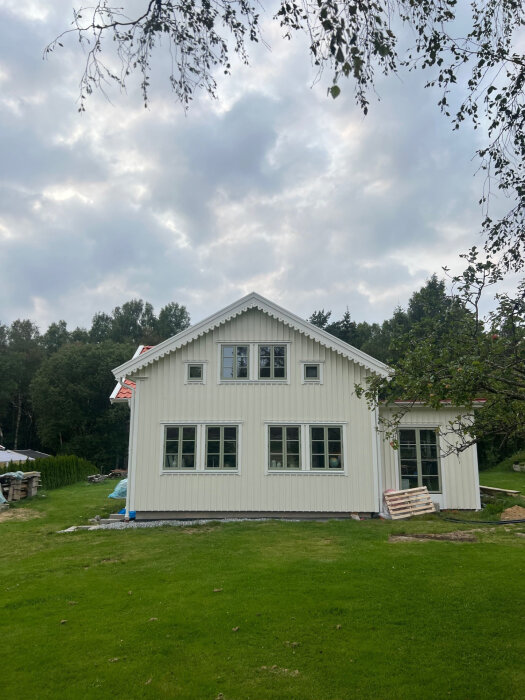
column 234, row 362
column 272, row 361
column 311, row 373
column 419, row 459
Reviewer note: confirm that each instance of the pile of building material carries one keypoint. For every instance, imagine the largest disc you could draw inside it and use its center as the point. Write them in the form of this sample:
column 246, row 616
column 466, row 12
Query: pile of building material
column 14, row 486
column 409, row 502
column 97, row 478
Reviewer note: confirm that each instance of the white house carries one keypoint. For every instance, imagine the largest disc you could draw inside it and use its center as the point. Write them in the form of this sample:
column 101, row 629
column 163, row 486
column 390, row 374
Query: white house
column 253, row 412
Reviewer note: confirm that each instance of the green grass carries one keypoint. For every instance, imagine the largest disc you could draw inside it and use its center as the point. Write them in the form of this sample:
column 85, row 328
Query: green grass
column 502, row 475
column 356, row 615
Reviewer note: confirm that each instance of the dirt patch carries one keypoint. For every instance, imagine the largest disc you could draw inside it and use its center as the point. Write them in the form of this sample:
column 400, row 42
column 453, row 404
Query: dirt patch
column 18, row 515
column 514, row 513
column 458, row 536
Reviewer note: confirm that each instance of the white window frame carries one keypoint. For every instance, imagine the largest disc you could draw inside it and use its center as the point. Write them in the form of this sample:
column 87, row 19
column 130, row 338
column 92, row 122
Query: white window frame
column 253, row 362
column 320, row 378
column 286, row 362
column 200, row 445
column 305, row 448
column 418, row 428
column 187, row 364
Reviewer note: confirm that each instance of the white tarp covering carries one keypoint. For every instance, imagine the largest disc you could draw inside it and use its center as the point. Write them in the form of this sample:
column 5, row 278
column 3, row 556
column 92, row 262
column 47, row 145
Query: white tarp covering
column 11, row 456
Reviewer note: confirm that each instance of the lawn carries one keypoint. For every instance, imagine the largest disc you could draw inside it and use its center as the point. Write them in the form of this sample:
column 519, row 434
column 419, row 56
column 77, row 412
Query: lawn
column 256, row 611
column 502, row 476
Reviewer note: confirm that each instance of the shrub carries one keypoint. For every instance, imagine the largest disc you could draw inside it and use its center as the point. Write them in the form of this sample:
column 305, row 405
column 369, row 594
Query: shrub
column 57, row 471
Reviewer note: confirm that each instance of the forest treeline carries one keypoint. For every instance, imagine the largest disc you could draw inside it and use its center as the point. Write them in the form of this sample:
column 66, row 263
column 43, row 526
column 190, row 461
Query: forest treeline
column 54, row 394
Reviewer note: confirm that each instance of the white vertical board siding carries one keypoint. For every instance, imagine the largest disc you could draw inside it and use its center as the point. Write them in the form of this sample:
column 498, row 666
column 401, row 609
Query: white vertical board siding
column 164, row 397
column 459, row 473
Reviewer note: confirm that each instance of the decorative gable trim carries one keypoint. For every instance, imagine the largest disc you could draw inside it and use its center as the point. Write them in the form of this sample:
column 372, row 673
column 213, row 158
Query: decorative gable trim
column 251, row 301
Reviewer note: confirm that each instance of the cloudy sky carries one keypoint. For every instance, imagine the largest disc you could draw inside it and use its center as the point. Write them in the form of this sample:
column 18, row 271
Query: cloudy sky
column 274, row 188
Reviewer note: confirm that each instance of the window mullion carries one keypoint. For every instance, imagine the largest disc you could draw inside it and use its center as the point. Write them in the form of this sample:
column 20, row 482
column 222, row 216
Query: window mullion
column 221, row 447
column 285, row 436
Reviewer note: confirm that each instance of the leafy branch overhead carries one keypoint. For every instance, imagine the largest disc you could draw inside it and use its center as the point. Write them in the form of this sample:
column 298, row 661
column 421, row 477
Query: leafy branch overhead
column 469, row 50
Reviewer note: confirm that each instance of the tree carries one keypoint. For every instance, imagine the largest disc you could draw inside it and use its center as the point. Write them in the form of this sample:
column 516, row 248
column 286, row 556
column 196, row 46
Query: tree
column 466, row 361
column 70, row 397
column 55, row 336
column 173, row 318
column 476, row 54
column 20, row 355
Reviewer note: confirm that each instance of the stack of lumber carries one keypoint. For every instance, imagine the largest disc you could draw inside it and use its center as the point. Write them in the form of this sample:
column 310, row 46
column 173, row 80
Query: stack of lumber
column 118, row 473
column 15, row 489
column 97, row 478
column 409, row 502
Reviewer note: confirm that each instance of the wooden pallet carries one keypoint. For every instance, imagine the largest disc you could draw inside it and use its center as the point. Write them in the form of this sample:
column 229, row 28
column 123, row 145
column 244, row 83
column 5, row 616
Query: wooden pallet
column 409, row 502
column 17, row 489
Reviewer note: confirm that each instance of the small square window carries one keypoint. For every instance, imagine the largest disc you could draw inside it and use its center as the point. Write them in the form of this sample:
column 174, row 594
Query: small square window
column 311, row 372
column 195, row 373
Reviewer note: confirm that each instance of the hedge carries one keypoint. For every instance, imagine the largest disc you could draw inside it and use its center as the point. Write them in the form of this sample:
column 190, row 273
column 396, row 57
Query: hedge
column 57, row 471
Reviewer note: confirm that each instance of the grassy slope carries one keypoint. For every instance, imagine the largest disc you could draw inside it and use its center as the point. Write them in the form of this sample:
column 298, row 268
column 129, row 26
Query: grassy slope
column 417, row 620
column 502, row 476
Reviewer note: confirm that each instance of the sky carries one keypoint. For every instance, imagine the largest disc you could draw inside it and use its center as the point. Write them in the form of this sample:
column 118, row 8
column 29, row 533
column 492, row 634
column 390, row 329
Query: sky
column 274, row 188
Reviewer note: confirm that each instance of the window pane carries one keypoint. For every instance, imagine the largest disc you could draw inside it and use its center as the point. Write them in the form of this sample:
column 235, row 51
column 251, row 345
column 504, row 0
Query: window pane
column 334, row 433
column 279, row 351
column 264, row 372
column 292, row 433
column 214, row 433
column 264, row 352
column 429, row 467
column 230, row 461
column 276, row 461
column 279, row 373
column 188, row 461
column 276, row 433
column 292, row 446
column 278, row 362
column 334, row 462
column 214, row 446
column 171, row 462
column 317, row 433
column 276, row 446
column 431, row 482
column 409, row 467
column 227, row 369
column 188, row 433
column 292, row 461
column 172, row 433
column 428, row 451
column 195, row 371
column 317, row 447
column 317, row 461
column 188, row 447
column 230, row 447
column 230, row 433
column 311, row 371
column 407, row 436
column 428, row 437
column 212, row 462
column 408, row 451
column 334, row 447
column 172, row 446
column 409, row 482
column 227, row 351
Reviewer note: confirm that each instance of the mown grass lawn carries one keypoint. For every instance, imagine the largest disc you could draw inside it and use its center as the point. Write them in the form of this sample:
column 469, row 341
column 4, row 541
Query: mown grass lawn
column 502, row 476
column 324, row 610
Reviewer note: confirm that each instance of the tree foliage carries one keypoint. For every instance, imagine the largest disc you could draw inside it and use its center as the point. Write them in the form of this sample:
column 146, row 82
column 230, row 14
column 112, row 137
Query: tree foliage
column 472, row 54
column 67, row 411
column 461, row 359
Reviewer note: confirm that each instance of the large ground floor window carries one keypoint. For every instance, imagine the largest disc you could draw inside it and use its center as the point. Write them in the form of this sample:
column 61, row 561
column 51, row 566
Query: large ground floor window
column 419, row 459
column 200, row 447
column 305, row 447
